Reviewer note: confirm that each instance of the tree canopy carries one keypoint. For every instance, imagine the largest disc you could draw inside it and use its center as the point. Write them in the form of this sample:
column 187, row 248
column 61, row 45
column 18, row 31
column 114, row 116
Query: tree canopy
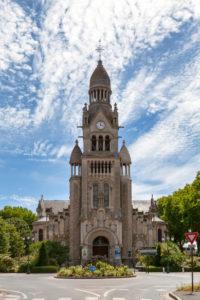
column 181, row 210
column 9, row 212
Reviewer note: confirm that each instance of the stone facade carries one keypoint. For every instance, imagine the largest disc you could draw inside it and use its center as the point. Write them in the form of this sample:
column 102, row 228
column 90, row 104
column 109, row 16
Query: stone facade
column 100, row 219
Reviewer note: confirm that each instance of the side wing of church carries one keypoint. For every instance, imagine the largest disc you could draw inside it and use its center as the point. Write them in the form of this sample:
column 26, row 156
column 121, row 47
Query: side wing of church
column 100, row 219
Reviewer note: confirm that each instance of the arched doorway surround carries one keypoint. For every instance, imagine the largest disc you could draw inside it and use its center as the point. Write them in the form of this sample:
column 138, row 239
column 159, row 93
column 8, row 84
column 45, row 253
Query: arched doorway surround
column 109, row 235
column 100, row 247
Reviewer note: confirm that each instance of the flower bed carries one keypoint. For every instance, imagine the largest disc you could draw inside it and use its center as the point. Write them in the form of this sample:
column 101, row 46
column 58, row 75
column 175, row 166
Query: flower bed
column 98, row 270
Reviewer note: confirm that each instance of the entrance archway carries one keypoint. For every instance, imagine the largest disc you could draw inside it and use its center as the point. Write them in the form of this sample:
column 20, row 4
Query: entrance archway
column 100, row 246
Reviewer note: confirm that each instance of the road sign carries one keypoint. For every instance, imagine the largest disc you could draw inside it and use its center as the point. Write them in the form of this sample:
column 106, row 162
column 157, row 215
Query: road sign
column 92, row 268
column 191, row 236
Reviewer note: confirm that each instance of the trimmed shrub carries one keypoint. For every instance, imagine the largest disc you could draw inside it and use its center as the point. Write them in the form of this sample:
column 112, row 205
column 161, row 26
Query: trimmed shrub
column 44, row 269
column 155, row 269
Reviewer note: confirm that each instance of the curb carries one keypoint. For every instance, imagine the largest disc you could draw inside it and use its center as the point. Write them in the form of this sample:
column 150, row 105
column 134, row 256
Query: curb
column 173, row 296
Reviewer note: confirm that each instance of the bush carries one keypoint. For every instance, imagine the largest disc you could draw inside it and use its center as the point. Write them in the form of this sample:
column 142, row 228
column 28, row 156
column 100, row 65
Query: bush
column 58, row 254
column 103, row 269
column 44, row 269
column 7, row 264
column 155, row 269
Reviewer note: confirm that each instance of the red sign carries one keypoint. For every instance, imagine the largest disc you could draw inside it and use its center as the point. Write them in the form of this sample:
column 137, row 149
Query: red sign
column 191, row 236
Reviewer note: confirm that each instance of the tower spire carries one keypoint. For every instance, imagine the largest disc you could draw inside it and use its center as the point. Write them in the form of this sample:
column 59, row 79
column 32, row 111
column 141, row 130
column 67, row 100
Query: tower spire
column 99, row 49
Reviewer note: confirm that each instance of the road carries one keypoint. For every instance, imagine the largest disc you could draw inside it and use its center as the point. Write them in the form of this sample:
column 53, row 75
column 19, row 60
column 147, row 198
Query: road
column 153, row 286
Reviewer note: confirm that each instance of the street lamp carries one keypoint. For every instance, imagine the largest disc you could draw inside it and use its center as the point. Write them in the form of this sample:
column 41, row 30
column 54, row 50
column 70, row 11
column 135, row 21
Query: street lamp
column 27, row 240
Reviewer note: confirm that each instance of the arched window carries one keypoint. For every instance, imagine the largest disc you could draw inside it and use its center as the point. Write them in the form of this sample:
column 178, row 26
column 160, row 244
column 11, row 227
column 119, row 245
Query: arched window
column 94, row 143
column 100, row 143
column 159, row 235
column 106, row 195
column 95, row 195
column 107, row 143
column 41, row 235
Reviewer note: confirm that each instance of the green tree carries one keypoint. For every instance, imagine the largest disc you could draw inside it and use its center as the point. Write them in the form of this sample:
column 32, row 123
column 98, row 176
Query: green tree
column 181, row 210
column 21, row 226
column 171, row 255
column 158, row 255
column 57, row 251
column 43, row 259
column 9, row 212
column 4, row 238
column 17, row 247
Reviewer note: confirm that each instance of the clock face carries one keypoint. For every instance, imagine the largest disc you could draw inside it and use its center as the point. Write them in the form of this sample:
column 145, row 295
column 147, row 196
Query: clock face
column 100, row 125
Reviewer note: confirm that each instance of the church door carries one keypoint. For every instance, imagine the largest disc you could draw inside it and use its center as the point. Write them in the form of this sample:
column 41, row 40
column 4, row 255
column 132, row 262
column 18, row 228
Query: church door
column 100, row 246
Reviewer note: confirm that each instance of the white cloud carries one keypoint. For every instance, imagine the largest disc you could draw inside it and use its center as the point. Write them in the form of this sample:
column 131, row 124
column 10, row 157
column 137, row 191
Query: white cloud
column 18, row 200
column 14, row 118
column 168, row 153
column 69, row 36
column 16, row 30
column 63, row 151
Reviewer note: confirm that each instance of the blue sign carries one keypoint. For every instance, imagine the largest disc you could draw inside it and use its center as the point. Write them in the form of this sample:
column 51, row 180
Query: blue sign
column 92, row 268
column 117, row 253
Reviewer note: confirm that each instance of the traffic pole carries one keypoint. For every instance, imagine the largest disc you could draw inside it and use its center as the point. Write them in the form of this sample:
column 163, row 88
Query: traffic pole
column 192, row 269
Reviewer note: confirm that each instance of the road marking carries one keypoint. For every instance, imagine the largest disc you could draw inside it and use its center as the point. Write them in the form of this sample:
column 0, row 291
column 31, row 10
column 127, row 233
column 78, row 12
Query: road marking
column 145, row 299
column 15, row 292
column 112, row 290
column 119, row 298
column 8, row 297
column 38, row 299
column 91, row 298
column 161, row 290
column 63, row 298
column 89, row 292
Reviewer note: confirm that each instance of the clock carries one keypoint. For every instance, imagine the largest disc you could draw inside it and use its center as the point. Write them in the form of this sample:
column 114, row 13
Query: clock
column 100, row 125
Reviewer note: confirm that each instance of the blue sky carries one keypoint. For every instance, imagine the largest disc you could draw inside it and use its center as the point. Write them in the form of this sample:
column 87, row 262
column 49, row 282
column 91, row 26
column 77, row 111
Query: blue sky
column 47, row 55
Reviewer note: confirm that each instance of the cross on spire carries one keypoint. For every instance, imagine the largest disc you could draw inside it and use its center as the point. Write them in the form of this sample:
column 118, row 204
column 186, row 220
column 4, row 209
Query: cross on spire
column 99, row 49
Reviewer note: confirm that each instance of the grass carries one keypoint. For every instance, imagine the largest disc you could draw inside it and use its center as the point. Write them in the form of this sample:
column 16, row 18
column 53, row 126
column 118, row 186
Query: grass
column 188, row 288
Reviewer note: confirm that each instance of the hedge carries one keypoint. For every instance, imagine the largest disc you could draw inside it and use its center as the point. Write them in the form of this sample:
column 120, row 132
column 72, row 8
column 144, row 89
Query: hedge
column 44, row 269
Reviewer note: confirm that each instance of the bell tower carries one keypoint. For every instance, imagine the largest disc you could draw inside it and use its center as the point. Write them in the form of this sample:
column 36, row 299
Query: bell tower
column 100, row 201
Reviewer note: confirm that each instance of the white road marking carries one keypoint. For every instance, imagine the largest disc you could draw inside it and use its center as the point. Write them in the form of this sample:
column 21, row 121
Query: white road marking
column 119, row 298
column 144, row 299
column 108, row 292
column 63, row 298
column 91, row 298
column 88, row 292
column 15, row 292
column 38, row 299
column 161, row 290
column 112, row 290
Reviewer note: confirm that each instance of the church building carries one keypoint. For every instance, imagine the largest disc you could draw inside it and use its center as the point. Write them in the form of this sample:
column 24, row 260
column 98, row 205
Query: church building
column 100, row 219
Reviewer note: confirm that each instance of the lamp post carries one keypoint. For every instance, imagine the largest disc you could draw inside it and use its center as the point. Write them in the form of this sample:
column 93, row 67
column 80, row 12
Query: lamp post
column 27, row 240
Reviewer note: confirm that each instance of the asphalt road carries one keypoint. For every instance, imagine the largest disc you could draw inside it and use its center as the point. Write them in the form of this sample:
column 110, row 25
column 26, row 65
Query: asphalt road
column 152, row 286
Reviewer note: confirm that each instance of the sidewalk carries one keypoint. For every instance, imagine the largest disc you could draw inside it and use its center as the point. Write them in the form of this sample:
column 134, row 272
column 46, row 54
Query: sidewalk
column 186, row 296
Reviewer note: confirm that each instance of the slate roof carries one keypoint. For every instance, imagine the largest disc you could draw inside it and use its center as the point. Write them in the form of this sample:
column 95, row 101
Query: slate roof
column 56, row 205
column 157, row 220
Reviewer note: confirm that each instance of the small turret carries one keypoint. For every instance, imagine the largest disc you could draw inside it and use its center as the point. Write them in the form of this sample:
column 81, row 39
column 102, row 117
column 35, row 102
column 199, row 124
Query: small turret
column 75, row 160
column 125, row 160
